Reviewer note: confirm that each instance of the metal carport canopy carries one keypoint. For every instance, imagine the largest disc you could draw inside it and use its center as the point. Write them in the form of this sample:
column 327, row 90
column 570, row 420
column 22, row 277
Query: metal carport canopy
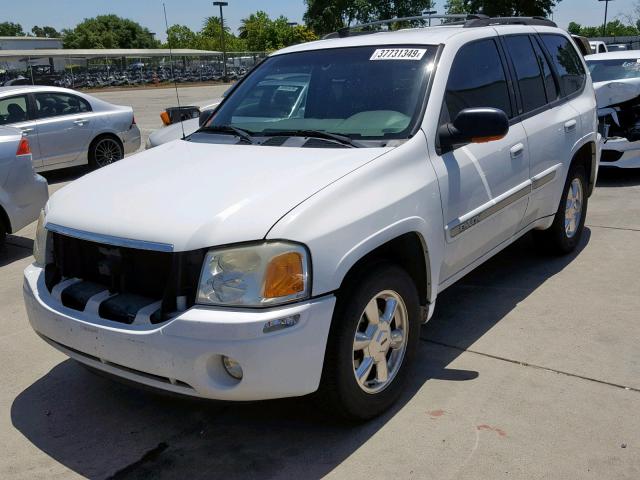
column 106, row 52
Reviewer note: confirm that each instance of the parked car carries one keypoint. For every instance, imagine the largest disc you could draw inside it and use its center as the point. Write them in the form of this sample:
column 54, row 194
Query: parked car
column 616, row 77
column 69, row 128
column 23, row 193
column 598, row 46
column 274, row 255
column 584, row 47
column 617, row 47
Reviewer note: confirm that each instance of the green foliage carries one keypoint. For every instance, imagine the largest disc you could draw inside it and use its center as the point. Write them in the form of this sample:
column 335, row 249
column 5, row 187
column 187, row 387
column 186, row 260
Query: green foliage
column 47, row 32
column 261, row 33
column 502, row 8
column 10, row 29
column 109, row 31
column 325, row 16
column 615, row 28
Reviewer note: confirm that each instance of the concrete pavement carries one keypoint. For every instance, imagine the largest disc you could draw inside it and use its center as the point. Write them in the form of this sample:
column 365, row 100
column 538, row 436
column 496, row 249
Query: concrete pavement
column 530, row 369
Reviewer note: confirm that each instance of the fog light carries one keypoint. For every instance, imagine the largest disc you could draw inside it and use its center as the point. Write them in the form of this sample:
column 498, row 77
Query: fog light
column 281, row 324
column 232, row 367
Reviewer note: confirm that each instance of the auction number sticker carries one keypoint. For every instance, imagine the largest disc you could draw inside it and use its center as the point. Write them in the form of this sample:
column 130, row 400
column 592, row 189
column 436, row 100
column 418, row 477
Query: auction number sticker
column 415, row 54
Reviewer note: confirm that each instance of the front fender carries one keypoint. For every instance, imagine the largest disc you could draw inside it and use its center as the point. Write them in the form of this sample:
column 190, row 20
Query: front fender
column 391, row 196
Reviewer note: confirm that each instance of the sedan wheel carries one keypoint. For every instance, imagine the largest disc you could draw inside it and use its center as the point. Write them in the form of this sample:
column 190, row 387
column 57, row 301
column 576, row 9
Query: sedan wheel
column 105, row 152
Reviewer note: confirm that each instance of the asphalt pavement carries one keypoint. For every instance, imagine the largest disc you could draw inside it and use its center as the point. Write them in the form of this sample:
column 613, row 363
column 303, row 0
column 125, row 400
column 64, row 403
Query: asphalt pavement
column 530, row 369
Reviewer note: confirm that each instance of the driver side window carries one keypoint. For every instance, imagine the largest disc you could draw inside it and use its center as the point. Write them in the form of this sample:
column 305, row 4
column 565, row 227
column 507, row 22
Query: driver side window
column 477, row 79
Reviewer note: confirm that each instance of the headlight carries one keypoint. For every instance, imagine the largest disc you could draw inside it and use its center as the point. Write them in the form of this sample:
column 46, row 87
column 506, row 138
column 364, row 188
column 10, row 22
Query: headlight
column 40, row 243
column 255, row 275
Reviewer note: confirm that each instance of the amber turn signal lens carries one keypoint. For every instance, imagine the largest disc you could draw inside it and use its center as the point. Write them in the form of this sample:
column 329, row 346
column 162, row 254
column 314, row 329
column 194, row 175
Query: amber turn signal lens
column 284, row 276
column 23, row 147
column 165, row 118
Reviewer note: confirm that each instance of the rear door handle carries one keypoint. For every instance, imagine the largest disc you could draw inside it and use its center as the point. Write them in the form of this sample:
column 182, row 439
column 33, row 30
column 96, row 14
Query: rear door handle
column 27, row 130
column 81, row 122
column 570, row 126
column 517, row 150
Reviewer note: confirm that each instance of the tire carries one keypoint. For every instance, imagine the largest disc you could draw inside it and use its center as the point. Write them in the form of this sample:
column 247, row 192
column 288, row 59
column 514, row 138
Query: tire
column 104, row 151
column 340, row 392
column 3, row 234
column 564, row 236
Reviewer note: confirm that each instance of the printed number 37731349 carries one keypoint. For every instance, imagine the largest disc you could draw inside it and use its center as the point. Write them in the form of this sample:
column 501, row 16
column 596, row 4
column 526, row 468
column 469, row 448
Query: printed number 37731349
column 415, row 54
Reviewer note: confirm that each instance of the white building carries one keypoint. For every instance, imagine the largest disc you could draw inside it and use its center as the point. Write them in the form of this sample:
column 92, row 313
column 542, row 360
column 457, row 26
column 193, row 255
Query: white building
column 28, row 43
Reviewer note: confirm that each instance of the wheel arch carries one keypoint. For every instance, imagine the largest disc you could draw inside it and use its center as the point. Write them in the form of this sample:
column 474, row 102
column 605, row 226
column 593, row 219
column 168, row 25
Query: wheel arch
column 587, row 155
column 409, row 251
column 4, row 218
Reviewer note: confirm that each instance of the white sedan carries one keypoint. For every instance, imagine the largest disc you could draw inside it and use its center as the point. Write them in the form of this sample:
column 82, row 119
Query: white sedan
column 68, row 128
column 616, row 80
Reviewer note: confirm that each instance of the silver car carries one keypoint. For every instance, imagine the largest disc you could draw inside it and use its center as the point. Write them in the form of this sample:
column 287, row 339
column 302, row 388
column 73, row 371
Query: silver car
column 23, row 193
column 68, row 128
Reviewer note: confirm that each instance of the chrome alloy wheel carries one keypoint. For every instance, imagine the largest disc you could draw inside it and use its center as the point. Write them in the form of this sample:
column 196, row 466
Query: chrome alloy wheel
column 107, row 151
column 380, row 341
column 573, row 211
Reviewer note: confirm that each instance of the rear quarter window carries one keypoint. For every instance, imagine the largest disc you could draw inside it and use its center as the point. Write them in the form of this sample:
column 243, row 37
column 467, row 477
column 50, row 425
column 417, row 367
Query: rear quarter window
column 567, row 63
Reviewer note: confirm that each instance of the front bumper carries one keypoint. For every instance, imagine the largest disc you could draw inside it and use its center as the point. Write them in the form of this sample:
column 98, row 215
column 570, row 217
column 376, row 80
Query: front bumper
column 184, row 355
column 620, row 152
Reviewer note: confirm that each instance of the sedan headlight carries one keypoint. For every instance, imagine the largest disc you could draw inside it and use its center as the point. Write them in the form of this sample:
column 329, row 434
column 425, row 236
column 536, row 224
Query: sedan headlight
column 255, row 275
column 40, row 243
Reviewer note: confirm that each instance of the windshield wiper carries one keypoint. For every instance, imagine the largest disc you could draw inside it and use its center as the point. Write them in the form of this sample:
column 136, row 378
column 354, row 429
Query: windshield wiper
column 343, row 139
column 230, row 129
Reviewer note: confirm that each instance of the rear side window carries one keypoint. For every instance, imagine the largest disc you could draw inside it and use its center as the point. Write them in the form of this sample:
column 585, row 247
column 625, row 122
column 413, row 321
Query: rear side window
column 567, row 63
column 57, row 104
column 13, row 110
column 549, row 80
column 525, row 62
column 477, row 79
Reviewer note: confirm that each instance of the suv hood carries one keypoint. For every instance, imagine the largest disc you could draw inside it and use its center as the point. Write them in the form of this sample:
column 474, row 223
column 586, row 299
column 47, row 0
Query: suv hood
column 194, row 195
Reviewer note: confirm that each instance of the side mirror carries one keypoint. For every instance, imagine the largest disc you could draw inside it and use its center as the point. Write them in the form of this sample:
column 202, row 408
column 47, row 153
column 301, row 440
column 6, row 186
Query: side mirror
column 473, row 125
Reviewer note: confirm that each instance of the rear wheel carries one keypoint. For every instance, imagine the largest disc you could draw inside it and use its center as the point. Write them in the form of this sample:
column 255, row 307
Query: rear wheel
column 373, row 339
column 566, row 231
column 105, row 151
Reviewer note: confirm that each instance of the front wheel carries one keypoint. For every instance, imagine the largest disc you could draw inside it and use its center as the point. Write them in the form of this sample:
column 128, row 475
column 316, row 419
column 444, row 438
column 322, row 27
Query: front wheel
column 374, row 337
column 105, row 151
column 566, row 231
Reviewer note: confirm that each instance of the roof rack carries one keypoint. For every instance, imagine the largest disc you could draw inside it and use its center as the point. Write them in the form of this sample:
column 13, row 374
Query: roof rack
column 467, row 21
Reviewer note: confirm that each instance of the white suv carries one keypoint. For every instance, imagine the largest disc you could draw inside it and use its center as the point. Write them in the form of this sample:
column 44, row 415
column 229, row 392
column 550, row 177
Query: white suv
column 275, row 255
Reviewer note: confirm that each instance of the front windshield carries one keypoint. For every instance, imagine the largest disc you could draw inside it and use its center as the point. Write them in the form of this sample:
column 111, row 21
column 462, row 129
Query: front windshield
column 361, row 92
column 606, row 70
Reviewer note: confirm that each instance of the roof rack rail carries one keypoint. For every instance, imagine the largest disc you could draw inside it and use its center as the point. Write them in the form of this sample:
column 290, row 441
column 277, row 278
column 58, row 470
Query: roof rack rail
column 468, row 21
column 349, row 31
column 489, row 21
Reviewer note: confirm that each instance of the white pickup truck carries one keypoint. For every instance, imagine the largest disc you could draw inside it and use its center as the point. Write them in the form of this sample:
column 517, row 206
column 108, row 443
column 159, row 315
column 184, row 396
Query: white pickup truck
column 279, row 252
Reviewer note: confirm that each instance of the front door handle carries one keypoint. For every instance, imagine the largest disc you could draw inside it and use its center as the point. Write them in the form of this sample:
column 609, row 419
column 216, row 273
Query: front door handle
column 517, row 150
column 570, row 126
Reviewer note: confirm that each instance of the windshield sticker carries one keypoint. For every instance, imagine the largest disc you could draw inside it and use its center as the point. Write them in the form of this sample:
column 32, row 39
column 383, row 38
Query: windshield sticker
column 414, row 54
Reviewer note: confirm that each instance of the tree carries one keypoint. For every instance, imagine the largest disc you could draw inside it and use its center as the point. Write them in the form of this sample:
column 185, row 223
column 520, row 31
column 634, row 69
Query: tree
column 108, row 31
column 615, row 28
column 503, row 8
column 211, row 33
column 181, row 36
column 261, row 33
column 324, row 16
column 47, row 32
column 10, row 29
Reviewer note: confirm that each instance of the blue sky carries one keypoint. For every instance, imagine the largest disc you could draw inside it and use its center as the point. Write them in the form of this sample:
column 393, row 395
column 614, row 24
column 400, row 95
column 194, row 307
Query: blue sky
column 67, row 13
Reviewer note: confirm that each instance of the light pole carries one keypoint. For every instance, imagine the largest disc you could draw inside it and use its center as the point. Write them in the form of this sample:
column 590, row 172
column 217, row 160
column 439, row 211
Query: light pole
column 224, row 52
column 606, row 10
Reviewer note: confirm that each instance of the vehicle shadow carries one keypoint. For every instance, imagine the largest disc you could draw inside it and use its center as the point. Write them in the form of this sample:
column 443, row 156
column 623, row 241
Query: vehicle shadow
column 618, row 177
column 15, row 249
column 63, row 175
column 102, row 429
